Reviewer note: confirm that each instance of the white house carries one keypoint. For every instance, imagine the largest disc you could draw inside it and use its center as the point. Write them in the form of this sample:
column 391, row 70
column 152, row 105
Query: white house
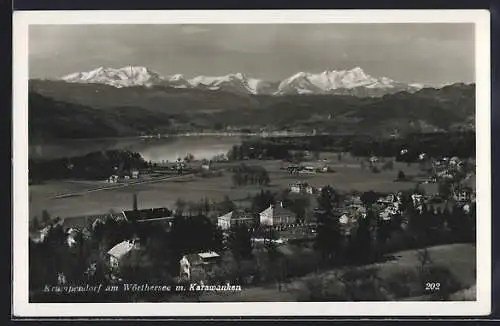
column 344, row 219
column 70, row 238
column 195, row 266
column 417, row 199
column 120, row 250
column 40, row 235
column 135, row 174
column 205, row 166
column 296, row 188
column 276, row 215
column 237, row 217
column 299, row 187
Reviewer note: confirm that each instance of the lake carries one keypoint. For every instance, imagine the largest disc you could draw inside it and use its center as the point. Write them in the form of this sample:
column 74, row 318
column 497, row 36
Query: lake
column 151, row 149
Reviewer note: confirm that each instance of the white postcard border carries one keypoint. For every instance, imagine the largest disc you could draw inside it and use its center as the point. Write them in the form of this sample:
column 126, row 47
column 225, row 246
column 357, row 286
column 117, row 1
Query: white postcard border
column 22, row 308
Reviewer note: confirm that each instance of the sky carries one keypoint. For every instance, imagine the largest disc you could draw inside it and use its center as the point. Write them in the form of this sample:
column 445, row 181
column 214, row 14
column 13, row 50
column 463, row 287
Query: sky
column 433, row 54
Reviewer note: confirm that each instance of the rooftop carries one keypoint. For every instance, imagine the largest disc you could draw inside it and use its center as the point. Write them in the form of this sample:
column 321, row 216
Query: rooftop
column 121, row 249
column 235, row 215
column 278, row 210
column 146, row 214
column 210, row 254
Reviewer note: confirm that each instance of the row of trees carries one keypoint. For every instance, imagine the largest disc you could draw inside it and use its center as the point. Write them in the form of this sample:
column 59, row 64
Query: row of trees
column 244, row 175
column 95, row 165
column 461, row 144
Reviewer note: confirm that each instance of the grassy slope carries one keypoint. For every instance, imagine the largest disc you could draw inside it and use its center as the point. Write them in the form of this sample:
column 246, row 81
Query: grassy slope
column 459, row 258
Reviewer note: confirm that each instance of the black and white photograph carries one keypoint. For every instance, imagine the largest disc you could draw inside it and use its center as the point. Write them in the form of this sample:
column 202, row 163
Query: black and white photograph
column 330, row 160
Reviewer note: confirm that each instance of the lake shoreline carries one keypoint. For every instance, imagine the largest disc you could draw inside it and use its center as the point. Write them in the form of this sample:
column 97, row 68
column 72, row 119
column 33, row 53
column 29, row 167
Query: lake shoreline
column 33, row 142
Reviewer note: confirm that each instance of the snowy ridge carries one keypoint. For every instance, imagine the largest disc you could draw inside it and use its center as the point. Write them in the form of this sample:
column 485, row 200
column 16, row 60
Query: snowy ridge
column 331, row 80
column 327, row 82
column 123, row 77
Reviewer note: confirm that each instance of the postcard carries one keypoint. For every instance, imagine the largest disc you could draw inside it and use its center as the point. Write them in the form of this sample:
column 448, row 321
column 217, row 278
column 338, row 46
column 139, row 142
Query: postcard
column 251, row 163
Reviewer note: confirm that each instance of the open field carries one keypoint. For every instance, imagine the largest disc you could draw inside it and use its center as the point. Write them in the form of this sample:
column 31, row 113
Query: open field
column 460, row 259
column 348, row 176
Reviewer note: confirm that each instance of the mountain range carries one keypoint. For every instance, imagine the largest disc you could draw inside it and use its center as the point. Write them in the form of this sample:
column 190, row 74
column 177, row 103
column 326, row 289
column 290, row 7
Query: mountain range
column 58, row 109
column 330, row 82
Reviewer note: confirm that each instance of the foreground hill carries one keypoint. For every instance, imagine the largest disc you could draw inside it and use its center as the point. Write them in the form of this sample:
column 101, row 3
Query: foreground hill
column 459, row 259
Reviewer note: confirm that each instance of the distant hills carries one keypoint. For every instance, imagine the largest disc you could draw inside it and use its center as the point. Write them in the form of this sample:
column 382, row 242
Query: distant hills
column 50, row 119
column 337, row 82
column 60, row 109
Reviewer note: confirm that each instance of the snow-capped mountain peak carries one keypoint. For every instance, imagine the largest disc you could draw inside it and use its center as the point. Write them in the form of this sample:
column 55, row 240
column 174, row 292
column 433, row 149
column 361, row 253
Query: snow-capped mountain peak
column 239, row 82
column 335, row 81
column 122, row 77
column 354, row 81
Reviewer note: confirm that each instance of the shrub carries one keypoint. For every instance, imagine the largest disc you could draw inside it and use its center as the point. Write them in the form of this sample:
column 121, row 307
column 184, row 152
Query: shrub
column 401, row 176
column 404, row 284
column 317, row 289
column 363, row 285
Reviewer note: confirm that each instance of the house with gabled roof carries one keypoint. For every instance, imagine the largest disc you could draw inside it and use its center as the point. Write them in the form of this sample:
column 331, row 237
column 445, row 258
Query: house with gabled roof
column 276, row 215
column 233, row 218
column 120, row 250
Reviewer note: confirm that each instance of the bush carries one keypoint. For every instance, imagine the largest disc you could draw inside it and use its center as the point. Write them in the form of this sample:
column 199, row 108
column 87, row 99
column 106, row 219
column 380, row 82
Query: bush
column 404, row 284
column 363, row 285
column 401, row 176
column 317, row 289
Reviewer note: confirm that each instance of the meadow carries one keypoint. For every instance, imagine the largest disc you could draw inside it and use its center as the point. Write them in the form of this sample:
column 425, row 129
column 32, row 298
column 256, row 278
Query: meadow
column 348, row 176
column 460, row 259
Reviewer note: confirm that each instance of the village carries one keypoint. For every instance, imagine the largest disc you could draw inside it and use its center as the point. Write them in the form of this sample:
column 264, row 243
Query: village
column 293, row 217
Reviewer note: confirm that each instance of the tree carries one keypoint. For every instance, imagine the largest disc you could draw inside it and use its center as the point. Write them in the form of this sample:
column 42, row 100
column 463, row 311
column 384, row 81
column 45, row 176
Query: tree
column 445, row 188
column 45, row 218
column 240, row 242
column 189, row 158
column 298, row 204
column 369, row 198
column 180, row 206
column 262, row 200
column 240, row 245
column 401, row 176
column 227, row 205
column 328, row 239
column 275, row 257
column 362, row 244
column 35, row 224
column 328, row 199
column 383, row 232
column 204, row 206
